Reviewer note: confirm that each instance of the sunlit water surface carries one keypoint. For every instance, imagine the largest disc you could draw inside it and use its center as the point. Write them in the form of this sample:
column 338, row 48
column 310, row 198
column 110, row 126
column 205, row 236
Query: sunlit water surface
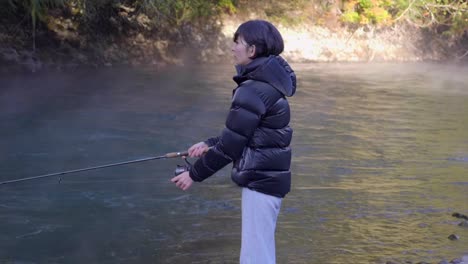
column 380, row 162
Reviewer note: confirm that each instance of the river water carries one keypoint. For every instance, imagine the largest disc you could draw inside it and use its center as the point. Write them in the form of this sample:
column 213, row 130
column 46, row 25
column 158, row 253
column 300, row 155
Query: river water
column 380, row 162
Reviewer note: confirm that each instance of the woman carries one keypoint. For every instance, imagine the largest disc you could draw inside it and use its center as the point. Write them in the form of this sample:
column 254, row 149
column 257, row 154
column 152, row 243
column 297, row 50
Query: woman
column 256, row 138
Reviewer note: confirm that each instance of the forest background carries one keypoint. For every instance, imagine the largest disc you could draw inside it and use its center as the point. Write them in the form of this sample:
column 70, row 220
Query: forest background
column 66, row 33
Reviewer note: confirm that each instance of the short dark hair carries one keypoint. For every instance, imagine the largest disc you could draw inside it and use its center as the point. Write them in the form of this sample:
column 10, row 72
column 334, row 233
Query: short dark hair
column 266, row 38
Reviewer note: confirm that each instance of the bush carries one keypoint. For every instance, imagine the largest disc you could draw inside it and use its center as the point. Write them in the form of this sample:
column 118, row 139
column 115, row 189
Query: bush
column 367, row 12
column 351, row 17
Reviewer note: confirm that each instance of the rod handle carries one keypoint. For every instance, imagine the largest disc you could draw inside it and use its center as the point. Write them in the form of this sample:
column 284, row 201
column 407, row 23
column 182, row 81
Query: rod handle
column 176, row 154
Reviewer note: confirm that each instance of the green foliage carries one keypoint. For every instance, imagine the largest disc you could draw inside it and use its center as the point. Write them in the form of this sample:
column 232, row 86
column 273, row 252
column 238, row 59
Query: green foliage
column 378, row 15
column 179, row 12
column 446, row 15
column 365, row 4
column 287, row 12
column 227, row 6
column 451, row 15
column 351, row 17
column 401, row 4
column 36, row 8
column 367, row 12
column 460, row 20
column 116, row 15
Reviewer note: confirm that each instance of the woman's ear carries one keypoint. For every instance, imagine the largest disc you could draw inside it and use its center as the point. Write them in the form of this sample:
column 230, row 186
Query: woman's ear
column 251, row 51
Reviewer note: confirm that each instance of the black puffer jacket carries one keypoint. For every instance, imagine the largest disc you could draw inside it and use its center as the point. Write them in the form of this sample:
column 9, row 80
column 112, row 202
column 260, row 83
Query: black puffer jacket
column 257, row 133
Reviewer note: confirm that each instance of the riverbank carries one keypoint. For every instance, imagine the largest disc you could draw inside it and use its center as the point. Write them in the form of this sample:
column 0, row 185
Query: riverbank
column 61, row 46
column 399, row 43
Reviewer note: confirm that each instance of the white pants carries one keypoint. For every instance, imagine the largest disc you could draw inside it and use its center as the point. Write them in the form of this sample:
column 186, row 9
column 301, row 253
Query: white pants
column 259, row 214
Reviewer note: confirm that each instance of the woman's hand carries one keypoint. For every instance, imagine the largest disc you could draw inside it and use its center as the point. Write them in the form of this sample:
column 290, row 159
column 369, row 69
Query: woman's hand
column 198, row 149
column 183, row 180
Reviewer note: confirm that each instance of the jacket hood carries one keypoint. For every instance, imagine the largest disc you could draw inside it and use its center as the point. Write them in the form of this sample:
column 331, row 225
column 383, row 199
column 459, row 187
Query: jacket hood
column 273, row 70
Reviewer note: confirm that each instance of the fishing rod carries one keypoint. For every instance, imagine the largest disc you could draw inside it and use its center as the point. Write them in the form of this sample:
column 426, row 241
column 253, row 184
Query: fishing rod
column 179, row 168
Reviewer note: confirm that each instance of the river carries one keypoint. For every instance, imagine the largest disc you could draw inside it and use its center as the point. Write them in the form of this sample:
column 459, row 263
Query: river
column 380, row 163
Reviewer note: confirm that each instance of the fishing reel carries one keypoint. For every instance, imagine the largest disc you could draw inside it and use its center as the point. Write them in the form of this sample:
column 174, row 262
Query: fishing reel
column 183, row 168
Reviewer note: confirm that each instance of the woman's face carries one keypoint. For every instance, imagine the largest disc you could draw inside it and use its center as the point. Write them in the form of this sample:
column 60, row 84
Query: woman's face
column 242, row 51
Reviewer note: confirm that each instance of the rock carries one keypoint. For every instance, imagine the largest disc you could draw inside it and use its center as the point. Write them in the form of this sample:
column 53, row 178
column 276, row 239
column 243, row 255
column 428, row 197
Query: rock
column 82, row 58
column 458, row 215
column 139, row 38
column 64, row 28
column 390, row 262
column 161, row 45
column 126, row 8
column 456, row 261
column 453, row 237
column 443, row 262
column 10, row 54
column 463, row 223
column 144, row 21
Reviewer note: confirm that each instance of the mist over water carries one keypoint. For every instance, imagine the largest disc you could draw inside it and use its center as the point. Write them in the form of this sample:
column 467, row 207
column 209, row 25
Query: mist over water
column 379, row 165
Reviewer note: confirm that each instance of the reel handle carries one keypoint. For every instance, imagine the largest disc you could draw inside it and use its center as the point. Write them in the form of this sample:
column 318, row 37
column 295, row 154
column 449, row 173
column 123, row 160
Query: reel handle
column 182, row 168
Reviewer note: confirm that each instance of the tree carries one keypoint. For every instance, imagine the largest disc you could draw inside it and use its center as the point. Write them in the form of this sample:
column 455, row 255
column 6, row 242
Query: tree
column 37, row 10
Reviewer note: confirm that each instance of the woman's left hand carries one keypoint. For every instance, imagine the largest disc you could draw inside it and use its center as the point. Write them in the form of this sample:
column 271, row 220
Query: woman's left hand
column 183, row 180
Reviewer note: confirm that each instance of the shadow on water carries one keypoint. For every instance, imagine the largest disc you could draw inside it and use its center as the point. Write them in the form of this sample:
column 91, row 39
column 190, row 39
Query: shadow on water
column 380, row 163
